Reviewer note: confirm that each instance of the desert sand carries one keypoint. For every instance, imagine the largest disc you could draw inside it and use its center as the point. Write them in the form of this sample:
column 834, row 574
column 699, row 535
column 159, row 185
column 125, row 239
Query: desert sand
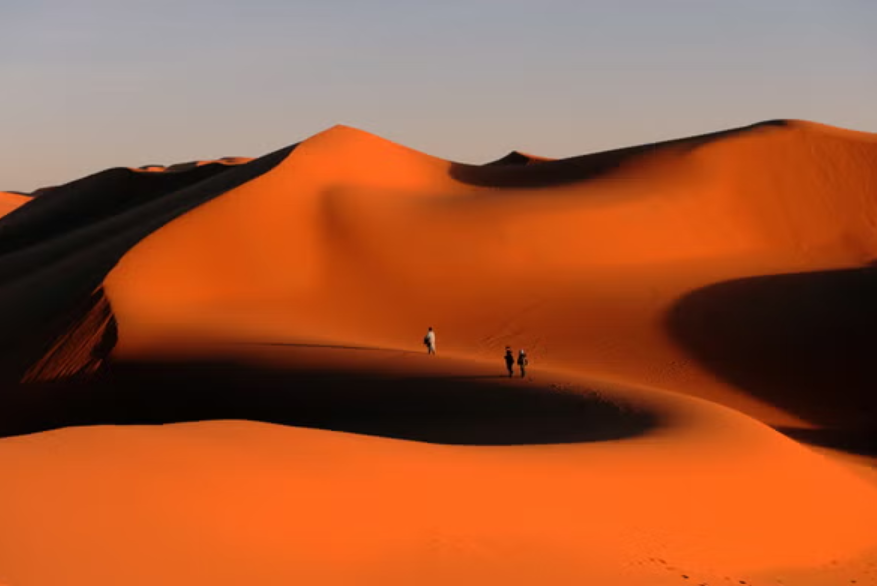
column 11, row 201
column 215, row 374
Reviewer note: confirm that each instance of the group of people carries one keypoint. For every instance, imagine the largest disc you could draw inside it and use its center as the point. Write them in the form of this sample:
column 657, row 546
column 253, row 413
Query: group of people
column 510, row 361
column 522, row 361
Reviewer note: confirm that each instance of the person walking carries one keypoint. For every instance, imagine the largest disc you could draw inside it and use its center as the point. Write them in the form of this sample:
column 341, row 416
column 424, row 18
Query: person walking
column 509, row 361
column 522, row 362
column 429, row 341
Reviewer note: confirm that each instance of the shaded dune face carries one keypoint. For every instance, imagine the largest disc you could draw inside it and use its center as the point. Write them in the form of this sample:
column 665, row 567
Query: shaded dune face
column 296, row 289
column 803, row 341
column 86, row 202
column 56, row 250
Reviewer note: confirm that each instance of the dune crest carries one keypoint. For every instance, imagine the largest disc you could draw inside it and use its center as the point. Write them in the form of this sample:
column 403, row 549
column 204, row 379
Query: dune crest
column 176, row 167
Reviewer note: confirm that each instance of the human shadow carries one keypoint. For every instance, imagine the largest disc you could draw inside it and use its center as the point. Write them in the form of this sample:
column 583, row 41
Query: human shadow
column 574, row 169
column 804, row 342
column 457, row 409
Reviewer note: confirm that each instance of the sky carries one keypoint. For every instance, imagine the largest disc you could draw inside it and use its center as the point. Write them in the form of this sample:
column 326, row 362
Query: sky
column 92, row 84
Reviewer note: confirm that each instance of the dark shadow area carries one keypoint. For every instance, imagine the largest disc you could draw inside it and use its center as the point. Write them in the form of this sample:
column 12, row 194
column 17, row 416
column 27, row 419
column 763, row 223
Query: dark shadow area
column 860, row 442
column 85, row 202
column 41, row 190
column 470, row 410
column 575, row 169
column 56, row 250
column 806, row 343
column 83, row 347
column 514, row 158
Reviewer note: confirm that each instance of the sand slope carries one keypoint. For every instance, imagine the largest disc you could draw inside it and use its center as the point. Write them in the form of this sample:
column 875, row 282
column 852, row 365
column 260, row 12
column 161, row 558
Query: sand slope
column 11, row 201
column 675, row 299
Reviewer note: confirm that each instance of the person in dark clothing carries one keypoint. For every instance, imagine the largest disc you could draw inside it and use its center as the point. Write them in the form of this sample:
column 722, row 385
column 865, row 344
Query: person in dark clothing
column 509, row 361
column 522, row 362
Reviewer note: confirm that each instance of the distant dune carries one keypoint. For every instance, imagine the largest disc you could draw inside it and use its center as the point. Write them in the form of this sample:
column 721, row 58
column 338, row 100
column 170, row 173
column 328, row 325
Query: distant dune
column 518, row 158
column 682, row 303
column 11, row 201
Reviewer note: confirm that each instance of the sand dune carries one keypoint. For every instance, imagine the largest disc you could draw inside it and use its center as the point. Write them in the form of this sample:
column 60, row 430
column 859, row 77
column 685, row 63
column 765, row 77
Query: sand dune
column 11, row 201
column 678, row 301
column 581, row 274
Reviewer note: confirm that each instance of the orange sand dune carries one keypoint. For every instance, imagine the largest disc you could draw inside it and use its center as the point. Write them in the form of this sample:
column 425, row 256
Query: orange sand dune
column 678, row 300
column 579, row 260
column 11, row 201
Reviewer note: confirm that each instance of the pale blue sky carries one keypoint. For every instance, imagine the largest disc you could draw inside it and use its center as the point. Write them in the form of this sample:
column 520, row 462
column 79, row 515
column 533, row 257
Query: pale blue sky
column 89, row 84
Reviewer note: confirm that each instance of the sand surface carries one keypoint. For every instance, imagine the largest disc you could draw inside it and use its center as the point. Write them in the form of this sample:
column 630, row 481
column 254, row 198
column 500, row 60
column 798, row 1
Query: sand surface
column 11, row 201
column 699, row 408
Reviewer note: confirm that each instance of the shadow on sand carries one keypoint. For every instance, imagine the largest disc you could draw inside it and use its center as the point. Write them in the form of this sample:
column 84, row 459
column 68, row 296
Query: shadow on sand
column 806, row 343
column 470, row 410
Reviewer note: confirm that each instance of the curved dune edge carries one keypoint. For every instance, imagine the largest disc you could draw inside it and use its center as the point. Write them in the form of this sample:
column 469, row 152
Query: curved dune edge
column 81, row 351
column 379, row 240
column 173, row 168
